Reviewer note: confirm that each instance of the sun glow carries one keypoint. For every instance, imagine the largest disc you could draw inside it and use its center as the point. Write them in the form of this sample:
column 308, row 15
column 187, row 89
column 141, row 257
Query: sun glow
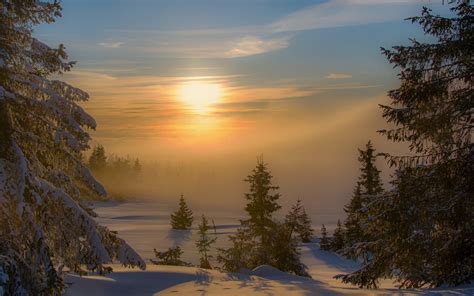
column 200, row 96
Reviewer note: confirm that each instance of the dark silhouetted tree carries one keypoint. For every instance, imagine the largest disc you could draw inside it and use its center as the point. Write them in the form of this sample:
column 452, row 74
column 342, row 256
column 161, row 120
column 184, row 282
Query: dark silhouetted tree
column 183, row 217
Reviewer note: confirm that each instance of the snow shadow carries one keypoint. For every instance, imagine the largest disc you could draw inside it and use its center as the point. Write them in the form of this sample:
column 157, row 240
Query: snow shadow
column 332, row 259
column 178, row 236
column 127, row 283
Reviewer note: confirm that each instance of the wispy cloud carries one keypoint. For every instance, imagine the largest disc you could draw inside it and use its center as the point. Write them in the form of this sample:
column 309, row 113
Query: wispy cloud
column 340, row 13
column 252, row 45
column 339, row 76
column 111, row 44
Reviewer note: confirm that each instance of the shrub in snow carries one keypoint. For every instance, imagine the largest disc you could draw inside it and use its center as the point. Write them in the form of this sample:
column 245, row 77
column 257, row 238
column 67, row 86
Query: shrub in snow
column 44, row 226
column 183, row 217
column 170, row 257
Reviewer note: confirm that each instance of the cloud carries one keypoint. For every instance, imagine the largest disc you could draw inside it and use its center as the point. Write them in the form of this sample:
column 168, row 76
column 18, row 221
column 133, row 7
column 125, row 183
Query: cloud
column 339, row 76
column 251, row 45
column 340, row 13
column 111, row 44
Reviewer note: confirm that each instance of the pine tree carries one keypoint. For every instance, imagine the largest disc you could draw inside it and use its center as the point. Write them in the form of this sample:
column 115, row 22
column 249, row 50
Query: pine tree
column 204, row 244
column 299, row 222
column 285, row 251
column 337, row 243
column 262, row 203
column 183, row 217
column 422, row 228
column 97, row 159
column 170, row 257
column 324, row 242
column 44, row 226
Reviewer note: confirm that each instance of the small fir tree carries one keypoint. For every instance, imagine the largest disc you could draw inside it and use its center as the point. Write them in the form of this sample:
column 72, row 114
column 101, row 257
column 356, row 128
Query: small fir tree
column 299, row 222
column 324, row 242
column 170, row 257
column 337, row 243
column 204, row 244
column 352, row 224
column 238, row 256
column 285, row 251
column 262, row 203
column 183, row 217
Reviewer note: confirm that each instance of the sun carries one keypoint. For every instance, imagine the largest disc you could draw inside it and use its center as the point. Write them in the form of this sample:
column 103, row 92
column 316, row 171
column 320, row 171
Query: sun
column 200, row 96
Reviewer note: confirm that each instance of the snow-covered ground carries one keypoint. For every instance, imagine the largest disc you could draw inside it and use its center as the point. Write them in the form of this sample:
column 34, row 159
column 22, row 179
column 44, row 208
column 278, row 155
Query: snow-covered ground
column 146, row 226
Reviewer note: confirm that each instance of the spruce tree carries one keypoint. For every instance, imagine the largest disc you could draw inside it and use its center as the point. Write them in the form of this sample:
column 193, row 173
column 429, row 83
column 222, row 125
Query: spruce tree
column 324, row 241
column 239, row 255
column 299, row 222
column 183, row 217
column 262, row 203
column 285, row 251
column 337, row 243
column 44, row 226
column 422, row 228
column 369, row 187
column 204, row 243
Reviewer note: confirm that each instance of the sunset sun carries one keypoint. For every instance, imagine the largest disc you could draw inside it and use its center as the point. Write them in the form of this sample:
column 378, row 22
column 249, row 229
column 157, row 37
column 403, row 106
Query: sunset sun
column 200, row 96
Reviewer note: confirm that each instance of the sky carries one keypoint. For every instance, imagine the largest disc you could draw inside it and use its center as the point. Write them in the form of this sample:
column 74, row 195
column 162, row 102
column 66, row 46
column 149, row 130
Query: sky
column 210, row 85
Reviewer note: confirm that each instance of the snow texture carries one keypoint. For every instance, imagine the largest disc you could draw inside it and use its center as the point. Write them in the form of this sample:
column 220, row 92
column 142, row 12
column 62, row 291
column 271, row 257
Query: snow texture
column 146, row 226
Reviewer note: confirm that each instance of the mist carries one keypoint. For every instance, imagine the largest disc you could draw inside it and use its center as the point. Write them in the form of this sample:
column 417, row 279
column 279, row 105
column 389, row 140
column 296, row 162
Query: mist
column 315, row 162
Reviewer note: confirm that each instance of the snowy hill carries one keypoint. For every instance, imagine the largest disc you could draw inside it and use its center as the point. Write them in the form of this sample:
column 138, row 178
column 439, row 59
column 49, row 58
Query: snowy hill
column 145, row 228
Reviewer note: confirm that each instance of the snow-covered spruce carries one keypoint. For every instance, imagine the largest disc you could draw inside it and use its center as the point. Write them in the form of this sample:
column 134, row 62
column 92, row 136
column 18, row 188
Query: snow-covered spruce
column 44, row 227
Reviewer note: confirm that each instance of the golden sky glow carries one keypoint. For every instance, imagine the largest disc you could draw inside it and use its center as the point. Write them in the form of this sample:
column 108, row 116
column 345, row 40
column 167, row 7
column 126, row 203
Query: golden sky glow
column 298, row 83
